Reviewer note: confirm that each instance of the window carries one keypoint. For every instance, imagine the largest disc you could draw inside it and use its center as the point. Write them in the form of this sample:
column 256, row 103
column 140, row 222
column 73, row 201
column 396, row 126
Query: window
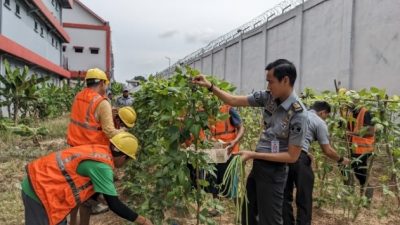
column 7, row 4
column 53, row 2
column 78, row 49
column 17, row 11
column 41, row 31
column 64, row 48
column 52, row 41
column 94, row 50
column 36, row 26
column 56, row 45
column 57, row 7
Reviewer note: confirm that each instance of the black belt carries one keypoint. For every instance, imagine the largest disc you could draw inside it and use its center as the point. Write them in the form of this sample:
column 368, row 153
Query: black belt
column 304, row 152
column 269, row 163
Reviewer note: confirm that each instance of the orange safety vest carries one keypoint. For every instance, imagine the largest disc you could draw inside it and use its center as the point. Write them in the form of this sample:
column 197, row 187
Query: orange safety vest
column 224, row 130
column 57, row 184
column 83, row 128
column 202, row 137
column 363, row 144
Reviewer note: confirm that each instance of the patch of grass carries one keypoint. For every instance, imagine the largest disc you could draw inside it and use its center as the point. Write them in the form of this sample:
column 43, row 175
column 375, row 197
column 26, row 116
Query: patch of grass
column 14, row 146
column 8, row 139
column 11, row 207
column 57, row 127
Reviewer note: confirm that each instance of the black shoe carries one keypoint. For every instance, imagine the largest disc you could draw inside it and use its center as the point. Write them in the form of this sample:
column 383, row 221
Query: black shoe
column 369, row 193
column 214, row 213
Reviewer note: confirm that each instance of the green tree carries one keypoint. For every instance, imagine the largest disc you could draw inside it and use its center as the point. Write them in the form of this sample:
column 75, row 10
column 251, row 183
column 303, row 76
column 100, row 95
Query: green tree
column 116, row 88
column 140, row 78
column 171, row 111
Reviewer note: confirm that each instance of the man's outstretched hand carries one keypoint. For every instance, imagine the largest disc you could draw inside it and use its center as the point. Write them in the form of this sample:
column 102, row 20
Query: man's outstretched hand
column 201, row 80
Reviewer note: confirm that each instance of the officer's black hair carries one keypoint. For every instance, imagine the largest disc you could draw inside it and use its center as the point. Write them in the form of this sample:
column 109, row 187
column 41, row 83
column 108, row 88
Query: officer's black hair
column 92, row 82
column 116, row 153
column 319, row 106
column 283, row 68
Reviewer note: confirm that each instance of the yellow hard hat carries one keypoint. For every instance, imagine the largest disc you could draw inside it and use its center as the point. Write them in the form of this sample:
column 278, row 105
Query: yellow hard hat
column 342, row 91
column 353, row 94
column 126, row 143
column 128, row 115
column 98, row 74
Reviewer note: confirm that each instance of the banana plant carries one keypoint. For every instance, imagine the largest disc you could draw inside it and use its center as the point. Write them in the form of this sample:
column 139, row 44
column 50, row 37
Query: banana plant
column 19, row 88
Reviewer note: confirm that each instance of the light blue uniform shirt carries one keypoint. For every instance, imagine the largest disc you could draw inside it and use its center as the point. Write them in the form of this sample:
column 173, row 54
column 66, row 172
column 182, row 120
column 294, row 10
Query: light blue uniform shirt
column 317, row 130
column 122, row 101
column 285, row 122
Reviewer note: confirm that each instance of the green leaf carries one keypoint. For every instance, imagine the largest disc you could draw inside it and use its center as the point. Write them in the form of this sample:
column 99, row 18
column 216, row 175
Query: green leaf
column 203, row 183
column 174, row 133
column 195, row 130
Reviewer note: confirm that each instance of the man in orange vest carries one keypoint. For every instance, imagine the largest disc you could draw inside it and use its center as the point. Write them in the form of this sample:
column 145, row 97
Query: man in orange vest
column 361, row 135
column 229, row 131
column 57, row 183
column 91, row 114
column 91, row 122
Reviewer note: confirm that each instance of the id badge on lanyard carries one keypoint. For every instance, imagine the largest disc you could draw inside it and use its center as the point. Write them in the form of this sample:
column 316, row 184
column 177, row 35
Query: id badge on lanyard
column 275, row 146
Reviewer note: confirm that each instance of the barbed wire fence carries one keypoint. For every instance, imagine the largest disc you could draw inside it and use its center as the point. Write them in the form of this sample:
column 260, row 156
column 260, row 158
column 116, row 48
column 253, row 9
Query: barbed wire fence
column 282, row 8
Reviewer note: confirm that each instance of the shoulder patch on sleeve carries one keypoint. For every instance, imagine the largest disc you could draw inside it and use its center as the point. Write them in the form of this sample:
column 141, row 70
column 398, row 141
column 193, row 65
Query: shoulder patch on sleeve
column 257, row 96
column 296, row 128
column 297, row 107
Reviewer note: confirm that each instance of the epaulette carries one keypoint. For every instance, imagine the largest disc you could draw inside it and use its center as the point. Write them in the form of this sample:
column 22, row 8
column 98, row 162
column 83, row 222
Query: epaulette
column 297, row 107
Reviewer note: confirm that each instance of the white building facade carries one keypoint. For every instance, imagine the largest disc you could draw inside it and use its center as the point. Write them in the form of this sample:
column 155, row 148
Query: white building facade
column 31, row 33
column 90, row 44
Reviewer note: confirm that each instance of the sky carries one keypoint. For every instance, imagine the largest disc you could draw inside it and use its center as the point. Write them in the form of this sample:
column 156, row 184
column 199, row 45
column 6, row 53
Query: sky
column 145, row 33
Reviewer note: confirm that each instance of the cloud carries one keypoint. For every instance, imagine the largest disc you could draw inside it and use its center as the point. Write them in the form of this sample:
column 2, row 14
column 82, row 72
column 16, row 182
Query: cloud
column 173, row 29
column 203, row 36
column 168, row 34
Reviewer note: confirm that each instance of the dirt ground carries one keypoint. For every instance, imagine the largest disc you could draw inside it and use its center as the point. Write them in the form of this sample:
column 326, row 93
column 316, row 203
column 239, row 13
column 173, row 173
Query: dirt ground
column 320, row 217
column 13, row 160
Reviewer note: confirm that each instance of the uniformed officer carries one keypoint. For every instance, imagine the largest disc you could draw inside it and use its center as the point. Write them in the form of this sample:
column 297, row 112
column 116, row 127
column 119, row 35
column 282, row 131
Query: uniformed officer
column 125, row 99
column 279, row 144
column 301, row 174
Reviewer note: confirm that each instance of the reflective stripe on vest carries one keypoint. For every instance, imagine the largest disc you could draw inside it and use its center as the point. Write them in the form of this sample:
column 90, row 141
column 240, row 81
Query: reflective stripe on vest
column 87, row 118
column 85, row 125
column 90, row 107
column 61, row 165
column 364, row 145
column 68, row 178
column 226, row 131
